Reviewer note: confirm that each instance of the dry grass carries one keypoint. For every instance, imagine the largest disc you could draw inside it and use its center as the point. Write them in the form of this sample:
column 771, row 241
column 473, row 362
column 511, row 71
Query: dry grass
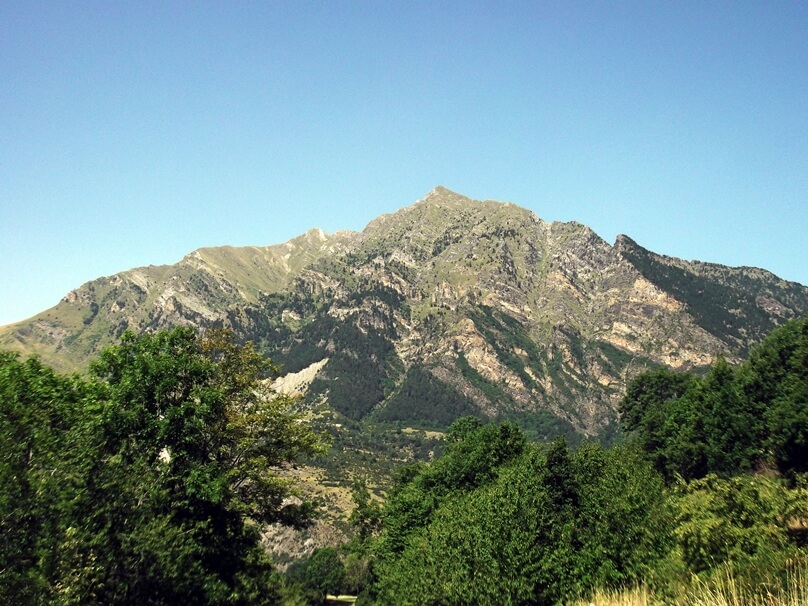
column 722, row 590
column 638, row 596
column 728, row 591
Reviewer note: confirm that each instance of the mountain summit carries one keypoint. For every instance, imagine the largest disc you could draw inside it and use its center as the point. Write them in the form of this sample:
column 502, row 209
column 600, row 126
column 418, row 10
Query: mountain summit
column 450, row 306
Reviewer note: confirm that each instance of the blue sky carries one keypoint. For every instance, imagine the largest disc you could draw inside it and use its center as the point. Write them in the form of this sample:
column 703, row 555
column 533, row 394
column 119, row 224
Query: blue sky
column 132, row 133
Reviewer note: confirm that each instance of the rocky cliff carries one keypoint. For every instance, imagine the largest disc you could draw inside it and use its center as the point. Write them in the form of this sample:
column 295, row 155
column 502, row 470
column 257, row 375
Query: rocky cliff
column 447, row 307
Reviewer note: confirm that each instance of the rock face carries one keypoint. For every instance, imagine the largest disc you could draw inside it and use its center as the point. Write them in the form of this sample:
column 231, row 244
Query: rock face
column 447, row 307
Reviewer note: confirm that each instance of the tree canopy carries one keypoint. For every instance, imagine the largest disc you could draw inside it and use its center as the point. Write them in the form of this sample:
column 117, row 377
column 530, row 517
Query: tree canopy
column 147, row 482
column 732, row 419
column 499, row 521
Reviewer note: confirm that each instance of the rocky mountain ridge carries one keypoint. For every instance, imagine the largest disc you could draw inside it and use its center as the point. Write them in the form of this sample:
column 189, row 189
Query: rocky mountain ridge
column 447, row 307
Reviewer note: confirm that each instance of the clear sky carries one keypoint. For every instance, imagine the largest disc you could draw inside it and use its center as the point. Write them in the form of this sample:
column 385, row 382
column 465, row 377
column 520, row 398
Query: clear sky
column 132, row 133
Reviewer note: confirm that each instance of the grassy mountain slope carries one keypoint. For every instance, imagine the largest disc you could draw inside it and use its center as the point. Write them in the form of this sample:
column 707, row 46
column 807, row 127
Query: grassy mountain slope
column 197, row 291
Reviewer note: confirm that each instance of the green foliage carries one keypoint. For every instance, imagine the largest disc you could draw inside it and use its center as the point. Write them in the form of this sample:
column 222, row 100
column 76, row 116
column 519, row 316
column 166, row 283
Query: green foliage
column 543, row 426
column 665, row 423
column 320, row 574
column 733, row 427
column 707, row 435
column 200, row 406
column 367, row 513
column 731, row 520
column 646, row 395
column 358, row 573
column 546, row 527
column 424, row 400
column 474, row 453
column 41, row 457
column 731, row 420
column 326, row 571
column 146, row 483
column 775, row 381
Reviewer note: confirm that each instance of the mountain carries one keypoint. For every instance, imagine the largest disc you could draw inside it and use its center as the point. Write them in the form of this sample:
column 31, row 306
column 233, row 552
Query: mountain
column 197, row 291
column 448, row 307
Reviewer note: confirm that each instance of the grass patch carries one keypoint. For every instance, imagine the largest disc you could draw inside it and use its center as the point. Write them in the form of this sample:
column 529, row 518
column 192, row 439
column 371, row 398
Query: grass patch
column 725, row 588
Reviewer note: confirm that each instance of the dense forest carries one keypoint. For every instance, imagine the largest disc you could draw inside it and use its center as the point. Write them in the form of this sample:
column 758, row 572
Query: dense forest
column 149, row 481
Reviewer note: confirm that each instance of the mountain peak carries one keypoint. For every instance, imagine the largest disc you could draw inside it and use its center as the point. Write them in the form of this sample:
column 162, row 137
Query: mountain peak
column 623, row 242
column 438, row 190
column 442, row 195
column 477, row 299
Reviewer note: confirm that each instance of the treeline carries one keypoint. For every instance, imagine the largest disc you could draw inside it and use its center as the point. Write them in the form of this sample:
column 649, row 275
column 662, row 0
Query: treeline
column 733, row 419
column 147, row 482
column 709, row 483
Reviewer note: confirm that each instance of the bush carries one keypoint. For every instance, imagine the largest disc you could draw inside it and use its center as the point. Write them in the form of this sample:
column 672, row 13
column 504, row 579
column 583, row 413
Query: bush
column 734, row 520
column 548, row 526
